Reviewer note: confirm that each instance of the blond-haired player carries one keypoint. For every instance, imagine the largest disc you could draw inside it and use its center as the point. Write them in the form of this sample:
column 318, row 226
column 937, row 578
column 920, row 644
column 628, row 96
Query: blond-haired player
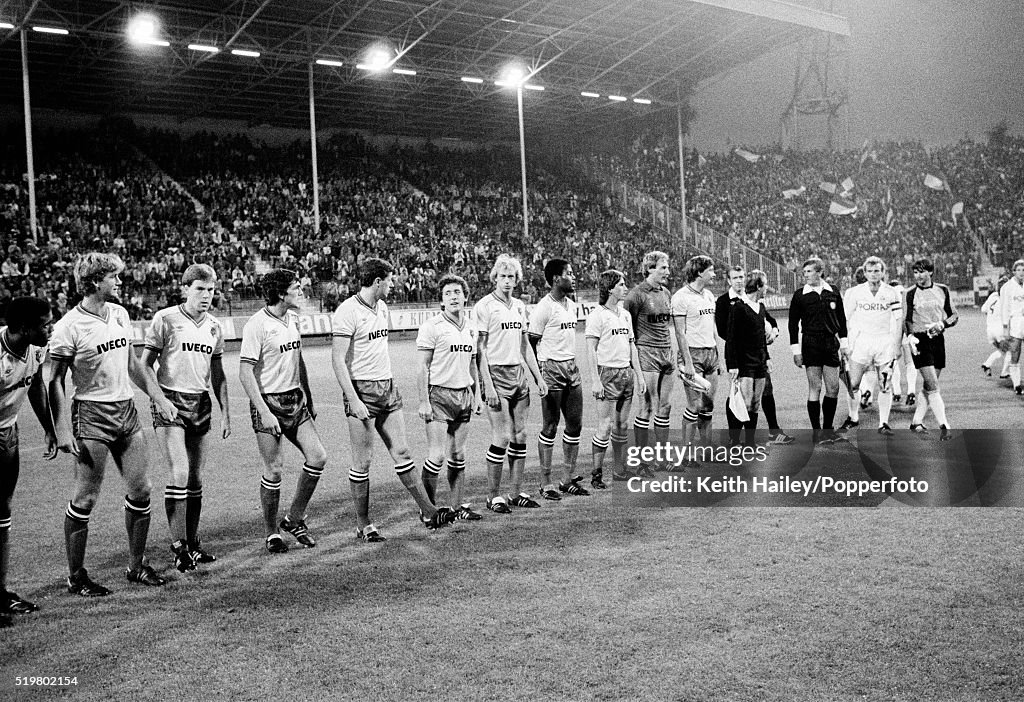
column 188, row 343
column 94, row 342
column 505, row 359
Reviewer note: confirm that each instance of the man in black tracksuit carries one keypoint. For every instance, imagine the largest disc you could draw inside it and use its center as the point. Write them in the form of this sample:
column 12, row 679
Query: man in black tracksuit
column 746, row 348
column 725, row 302
column 817, row 311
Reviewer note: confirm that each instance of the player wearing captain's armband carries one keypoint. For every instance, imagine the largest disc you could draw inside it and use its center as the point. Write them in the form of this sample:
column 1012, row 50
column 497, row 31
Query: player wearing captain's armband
column 1011, row 312
column 274, row 378
column 504, row 360
column 615, row 370
column 22, row 352
column 362, row 364
column 447, row 345
column 874, row 314
column 94, row 342
column 188, row 342
column 553, row 337
column 930, row 312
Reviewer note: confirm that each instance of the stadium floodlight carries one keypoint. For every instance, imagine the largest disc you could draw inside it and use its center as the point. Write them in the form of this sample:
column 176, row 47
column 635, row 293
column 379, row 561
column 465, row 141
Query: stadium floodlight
column 6, row 25
column 403, row 71
column 376, row 60
column 50, row 30
column 471, row 79
column 532, row 86
column 617, row 98
column 245, row 52
column 142, row 29
column 512, row 77
column 591, row 95
column 330, row 62
column 642, row 101
column 204, row 47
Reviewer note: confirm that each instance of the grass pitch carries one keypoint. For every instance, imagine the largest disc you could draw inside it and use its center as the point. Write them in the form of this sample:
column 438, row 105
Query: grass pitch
column 583, row 599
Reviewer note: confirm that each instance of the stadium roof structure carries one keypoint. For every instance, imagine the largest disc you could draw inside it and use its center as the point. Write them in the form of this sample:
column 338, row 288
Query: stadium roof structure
column 636, row 50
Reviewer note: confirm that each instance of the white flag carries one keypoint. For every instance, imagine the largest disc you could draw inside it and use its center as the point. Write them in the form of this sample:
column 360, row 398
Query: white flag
column 841, row 208
column 934, row 183
column 793, row 192
column 829, row 188
column 747, row 155
column 958, row 209
column 847, row 185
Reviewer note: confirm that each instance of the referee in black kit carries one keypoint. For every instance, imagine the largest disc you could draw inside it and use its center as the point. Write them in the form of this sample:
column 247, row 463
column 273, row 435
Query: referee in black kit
column 817, row 311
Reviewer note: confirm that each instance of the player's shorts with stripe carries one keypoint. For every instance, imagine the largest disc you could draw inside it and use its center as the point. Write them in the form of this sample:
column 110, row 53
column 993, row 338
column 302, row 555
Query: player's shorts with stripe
column 931, row 351
column 820, row 350
column 1017, row 327
column 510, row 382
column 560, row 375
column 9, row 447
column 108, row 422
column 656, row 359
column 617, row 383
column 288, row 407
column 452, row 405
column 381, row 397
column 705, row 360
column 194, row 412
column 873, row 350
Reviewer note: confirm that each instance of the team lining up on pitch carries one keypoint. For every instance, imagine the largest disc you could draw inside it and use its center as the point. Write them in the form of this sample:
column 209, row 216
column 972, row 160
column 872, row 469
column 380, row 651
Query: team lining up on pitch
column 638, row 341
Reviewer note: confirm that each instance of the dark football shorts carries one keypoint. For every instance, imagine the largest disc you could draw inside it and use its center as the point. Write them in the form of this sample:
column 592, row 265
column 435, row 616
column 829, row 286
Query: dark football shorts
column 705, row 360
column 379, row 396
column 194, row 412
column 560, row 375
column 452, row 405
column 820, row 350
column 931, row 351
column 656, row 360
column 617, row 383
column 510, row 383
column 108, row 422
column 9, row 446
column 289, row 408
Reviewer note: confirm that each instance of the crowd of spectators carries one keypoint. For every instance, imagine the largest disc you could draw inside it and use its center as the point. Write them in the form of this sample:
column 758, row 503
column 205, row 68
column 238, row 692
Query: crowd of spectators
column 745, row 199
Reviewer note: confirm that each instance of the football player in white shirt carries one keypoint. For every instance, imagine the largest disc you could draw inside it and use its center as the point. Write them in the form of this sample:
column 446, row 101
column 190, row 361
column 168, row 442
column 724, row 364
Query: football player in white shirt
column 504, row 358
column 273, row 376
column 94, row 342
column 362, row 364
column 553, row 337
column 447, row 346
column 616, row 374
column 188, row 342
column 994, row 330
column 1011, row 310
column 874, row 316
column 693, row 315
column 22, row 352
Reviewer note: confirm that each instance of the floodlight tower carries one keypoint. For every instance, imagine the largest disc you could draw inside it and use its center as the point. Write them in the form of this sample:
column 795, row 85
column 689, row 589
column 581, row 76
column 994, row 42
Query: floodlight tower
column 820, row 89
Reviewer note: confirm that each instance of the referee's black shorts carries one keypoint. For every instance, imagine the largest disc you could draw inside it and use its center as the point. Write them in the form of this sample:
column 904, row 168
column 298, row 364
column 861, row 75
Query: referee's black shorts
column 820, row 349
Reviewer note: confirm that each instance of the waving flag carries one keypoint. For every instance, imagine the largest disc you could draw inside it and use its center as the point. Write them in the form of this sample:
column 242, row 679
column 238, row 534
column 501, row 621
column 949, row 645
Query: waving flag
column 890, row 220
column 701, row 161
column 747, row 155
column 829, row 188
column 841, row 207
column 847, row 185
column 793, row 192
column 934, row 182
column 958, row 209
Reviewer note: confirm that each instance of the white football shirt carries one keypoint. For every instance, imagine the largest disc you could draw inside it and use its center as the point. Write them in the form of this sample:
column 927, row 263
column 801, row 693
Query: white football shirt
column 503, row 325
column 555, row 323
column 698, row 308
column 16, row 374
column 614, row 334
column 274, row 347
column 872, row 314
column 454, row 347
column 367, row 328
column 186, row 346
column 97, row 349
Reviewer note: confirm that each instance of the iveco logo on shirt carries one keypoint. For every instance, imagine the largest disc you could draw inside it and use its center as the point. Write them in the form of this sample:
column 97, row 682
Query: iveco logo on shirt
column 511, row 325
column 374, row 335
column 462, row 348
column 111, row 345
column 201, row 348
column 658, row 318
column 619, row 332
column 709, row 310
column 567, row 325
column 290, row 346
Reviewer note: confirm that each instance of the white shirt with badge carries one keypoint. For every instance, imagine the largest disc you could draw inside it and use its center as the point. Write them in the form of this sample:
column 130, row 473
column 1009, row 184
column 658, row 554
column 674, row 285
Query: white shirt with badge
column 96, row 348
column 274, row 347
